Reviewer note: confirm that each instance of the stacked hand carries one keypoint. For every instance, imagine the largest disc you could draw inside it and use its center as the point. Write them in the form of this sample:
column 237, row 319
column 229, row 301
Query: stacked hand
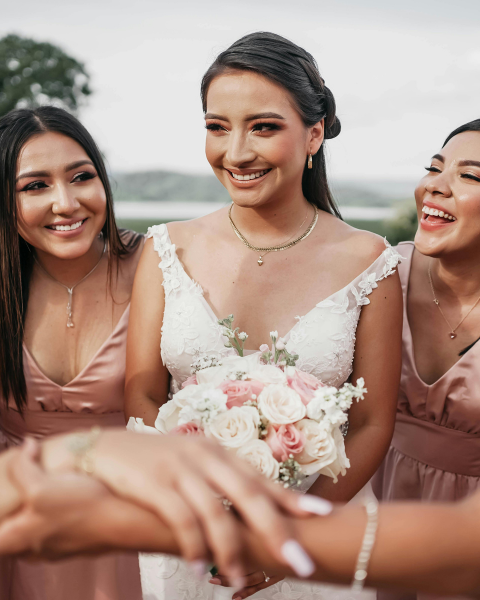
column 154, row 494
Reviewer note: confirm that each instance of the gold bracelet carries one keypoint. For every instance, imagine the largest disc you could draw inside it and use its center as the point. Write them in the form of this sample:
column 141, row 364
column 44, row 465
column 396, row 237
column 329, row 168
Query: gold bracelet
column 82, row 446
column 360, row 574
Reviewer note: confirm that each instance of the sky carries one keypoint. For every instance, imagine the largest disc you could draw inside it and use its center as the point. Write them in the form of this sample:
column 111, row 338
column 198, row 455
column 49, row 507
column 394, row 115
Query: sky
column 404, row 73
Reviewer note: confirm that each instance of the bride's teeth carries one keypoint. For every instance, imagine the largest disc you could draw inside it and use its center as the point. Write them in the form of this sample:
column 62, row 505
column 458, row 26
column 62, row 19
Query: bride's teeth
column 249, row 176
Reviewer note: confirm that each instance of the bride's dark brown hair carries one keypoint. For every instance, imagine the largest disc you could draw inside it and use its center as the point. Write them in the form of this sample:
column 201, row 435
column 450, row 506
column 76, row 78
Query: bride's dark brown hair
column 295, row 69
column 16, row 255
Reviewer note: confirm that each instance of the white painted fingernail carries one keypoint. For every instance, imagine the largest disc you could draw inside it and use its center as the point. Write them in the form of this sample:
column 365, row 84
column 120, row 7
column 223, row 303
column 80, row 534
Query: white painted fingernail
column 315, row 505
column 297, row 558
column 199, row 567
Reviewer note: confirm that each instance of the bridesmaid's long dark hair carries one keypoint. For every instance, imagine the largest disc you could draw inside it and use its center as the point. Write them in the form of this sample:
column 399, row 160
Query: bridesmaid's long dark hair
column 295, row 69
column 16, row 255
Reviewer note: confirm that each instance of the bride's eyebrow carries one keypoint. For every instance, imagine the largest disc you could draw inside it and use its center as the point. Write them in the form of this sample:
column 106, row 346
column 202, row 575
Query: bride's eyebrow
column 439, row 157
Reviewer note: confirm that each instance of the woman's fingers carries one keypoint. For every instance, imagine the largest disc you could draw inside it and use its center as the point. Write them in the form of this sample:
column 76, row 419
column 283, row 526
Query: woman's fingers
column 248, row 580
column 249, row 591
column 261, row 514
column 219, row 526
column 172, row 508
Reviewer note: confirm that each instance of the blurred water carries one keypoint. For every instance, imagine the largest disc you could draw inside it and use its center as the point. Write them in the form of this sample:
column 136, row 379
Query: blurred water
column 170, row 211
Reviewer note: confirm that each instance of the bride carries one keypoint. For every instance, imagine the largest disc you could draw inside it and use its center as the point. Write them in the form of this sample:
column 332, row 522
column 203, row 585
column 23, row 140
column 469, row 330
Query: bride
column 279, row 258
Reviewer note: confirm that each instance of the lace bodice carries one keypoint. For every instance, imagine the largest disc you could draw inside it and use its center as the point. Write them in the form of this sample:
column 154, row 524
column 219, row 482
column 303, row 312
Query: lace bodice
column 324, row 338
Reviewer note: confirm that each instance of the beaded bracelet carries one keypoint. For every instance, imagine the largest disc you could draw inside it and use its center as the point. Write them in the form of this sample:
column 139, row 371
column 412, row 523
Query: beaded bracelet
column 371, row 506
column 82, row 446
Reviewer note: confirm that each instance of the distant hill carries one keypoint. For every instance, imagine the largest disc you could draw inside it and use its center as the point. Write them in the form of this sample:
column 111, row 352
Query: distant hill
column 168, row 186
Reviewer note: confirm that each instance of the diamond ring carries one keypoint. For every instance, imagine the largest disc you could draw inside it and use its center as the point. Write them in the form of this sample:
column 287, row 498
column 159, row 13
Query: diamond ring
column 267, row 578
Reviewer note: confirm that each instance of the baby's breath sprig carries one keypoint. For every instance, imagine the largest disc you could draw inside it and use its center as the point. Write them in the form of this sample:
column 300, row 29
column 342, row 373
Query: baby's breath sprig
column 290, row 475
column 278, row 355
column 235, row 340
column 204, row 362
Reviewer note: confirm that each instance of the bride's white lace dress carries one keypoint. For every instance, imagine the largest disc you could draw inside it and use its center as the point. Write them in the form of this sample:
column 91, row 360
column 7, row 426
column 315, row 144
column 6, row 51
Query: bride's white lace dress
column 324, row 339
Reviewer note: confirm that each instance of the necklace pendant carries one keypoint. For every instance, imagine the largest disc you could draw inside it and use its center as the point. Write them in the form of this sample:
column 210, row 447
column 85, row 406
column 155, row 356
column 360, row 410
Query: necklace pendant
column 260, row 262
column 452, row 335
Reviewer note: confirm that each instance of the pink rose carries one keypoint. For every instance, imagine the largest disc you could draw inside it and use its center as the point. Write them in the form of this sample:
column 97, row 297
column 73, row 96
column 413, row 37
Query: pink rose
column 187, row 429
column 303, row 383
column 192, row 380
column 284, row 440
column 239, row 392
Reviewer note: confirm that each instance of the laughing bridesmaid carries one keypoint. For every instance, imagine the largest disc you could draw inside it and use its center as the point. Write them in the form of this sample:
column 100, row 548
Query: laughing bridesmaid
column 66, row 276
column 435, row 451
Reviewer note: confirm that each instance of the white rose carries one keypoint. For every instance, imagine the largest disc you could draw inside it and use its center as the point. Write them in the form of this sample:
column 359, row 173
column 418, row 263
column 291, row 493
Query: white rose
column 235, row 427
column 203, row 407
column 138, row 426
column 214, row 376
column 269, row 374
column 259, row 455
column 169, row 412
column 280, row 404
column 341, row 463
column 320, row 450
column 167, row 418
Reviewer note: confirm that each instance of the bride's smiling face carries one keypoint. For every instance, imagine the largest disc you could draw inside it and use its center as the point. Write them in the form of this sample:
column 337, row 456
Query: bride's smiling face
column 257, row 143
column 448, row 199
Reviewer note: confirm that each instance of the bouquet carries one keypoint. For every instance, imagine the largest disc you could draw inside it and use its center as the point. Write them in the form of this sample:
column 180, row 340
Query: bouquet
column 283, row 421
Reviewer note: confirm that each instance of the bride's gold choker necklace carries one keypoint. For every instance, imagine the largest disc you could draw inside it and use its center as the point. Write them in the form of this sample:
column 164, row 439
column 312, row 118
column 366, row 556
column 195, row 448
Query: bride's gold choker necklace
column 288, row 244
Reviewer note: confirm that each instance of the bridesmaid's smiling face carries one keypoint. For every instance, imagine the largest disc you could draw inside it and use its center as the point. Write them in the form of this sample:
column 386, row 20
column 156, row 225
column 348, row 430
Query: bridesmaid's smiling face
column 451, row 187
column 257, row 143
column 61, row 201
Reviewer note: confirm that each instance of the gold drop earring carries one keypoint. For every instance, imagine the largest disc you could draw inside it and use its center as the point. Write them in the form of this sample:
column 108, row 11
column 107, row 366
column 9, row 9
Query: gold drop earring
column 310, row 162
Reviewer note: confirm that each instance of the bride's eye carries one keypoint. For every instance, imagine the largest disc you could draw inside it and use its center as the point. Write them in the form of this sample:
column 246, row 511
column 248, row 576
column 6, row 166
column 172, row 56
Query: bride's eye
column 432, row 169
column 265, row 127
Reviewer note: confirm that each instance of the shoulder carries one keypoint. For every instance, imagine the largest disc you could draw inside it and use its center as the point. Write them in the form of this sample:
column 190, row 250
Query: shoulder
column 362, row 247
column 182, row 233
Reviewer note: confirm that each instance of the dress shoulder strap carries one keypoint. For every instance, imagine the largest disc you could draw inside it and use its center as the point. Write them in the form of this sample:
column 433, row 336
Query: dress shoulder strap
column 384, row 266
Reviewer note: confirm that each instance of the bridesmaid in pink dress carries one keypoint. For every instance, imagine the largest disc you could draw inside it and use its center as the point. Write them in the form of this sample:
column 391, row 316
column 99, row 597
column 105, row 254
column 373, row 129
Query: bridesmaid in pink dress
column 435, row 451
column 67, row 275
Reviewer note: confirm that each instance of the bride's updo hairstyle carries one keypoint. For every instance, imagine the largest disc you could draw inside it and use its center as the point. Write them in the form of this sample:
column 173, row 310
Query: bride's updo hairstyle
column 471, row 126
column 16, row 255
column 295, row 69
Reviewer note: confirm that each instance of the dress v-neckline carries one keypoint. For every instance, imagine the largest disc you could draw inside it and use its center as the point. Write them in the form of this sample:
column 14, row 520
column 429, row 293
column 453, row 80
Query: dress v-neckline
column 90, row 363
column 285, row 337
column 410, row 336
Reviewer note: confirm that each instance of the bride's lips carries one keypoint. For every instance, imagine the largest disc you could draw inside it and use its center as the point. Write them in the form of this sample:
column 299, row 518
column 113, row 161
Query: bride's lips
column 248, row 183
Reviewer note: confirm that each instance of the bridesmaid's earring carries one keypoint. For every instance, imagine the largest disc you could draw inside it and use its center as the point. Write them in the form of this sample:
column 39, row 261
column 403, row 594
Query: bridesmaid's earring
column 310, row 162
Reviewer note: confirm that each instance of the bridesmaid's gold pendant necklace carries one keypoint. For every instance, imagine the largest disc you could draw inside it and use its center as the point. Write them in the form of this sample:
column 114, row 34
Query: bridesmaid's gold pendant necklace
column 452, row 335
column 285, row 246
column 70, row 290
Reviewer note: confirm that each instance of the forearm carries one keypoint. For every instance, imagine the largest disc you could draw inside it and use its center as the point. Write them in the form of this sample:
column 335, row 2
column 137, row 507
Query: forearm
column 431, row 548
column 365, row 447
column 9, row 496
column 142, row 406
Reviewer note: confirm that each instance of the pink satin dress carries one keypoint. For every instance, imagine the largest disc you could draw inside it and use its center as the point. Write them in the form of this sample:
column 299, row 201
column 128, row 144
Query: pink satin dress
column 94, row 397
column 435, row 450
